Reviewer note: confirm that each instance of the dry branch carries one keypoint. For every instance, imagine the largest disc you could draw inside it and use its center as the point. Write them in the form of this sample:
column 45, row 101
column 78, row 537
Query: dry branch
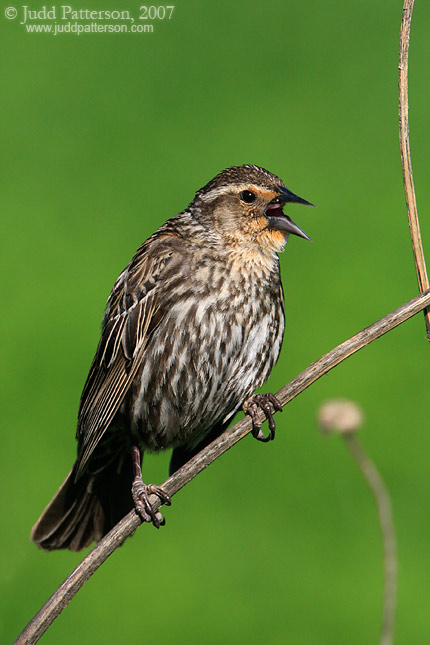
column 65, row 592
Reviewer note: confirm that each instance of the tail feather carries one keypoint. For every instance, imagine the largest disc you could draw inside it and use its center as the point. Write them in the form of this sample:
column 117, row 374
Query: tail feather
column 84, row 510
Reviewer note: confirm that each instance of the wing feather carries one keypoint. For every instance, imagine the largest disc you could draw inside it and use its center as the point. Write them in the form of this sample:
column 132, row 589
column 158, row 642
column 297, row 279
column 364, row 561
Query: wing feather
column 132, row 313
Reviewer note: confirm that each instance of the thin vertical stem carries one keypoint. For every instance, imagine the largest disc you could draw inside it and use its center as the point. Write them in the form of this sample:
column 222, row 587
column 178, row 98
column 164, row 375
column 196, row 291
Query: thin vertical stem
column 405, row 152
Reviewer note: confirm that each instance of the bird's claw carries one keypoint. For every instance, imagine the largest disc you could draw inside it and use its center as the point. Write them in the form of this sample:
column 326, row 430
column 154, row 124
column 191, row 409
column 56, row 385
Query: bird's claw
column 265, row 402
column 141, row 493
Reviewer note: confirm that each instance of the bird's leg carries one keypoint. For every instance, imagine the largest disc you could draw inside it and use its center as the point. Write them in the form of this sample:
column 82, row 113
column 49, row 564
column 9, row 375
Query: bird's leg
column 265, row 402
column 141, row 492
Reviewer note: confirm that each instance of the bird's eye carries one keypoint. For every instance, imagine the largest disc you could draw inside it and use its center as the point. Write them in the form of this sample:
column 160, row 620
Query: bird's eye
column 248, row 196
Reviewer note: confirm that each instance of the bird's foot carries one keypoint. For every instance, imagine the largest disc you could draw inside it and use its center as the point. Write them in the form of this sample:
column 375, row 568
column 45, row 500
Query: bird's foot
column 269, row 404
column 141, row 493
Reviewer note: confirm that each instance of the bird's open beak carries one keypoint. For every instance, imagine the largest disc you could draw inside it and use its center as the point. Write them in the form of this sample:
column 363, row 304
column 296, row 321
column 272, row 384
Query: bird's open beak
column 276, row 216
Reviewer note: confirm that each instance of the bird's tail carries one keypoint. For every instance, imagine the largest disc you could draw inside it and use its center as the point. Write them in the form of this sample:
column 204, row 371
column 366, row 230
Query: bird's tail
column 84, row 510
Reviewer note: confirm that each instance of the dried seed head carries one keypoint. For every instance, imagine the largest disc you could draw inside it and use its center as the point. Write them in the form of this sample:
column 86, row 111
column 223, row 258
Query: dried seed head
column 340, row 416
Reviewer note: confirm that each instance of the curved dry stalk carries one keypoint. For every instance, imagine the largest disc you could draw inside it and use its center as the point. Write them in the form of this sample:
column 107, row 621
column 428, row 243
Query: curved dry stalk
column 65, row 592
column 386, row 523
column 345, row 418
column 408, row 181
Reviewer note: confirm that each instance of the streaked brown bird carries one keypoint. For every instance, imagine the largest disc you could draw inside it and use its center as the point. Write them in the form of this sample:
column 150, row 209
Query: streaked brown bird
column 192, row 327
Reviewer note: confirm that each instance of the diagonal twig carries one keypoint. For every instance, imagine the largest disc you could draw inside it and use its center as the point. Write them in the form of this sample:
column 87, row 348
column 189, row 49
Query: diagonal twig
column 65, row 592
column 405, row 152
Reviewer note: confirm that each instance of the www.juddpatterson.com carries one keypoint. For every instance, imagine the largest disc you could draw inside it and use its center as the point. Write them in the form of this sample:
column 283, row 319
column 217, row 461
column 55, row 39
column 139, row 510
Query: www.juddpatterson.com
column 59, row 19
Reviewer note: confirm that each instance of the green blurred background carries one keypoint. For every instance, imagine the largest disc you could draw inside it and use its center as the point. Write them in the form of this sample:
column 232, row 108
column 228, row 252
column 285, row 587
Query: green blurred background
column 105, row 136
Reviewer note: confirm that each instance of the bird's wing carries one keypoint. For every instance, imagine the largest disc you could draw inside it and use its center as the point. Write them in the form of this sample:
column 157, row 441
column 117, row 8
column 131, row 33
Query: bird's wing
column 132, row 314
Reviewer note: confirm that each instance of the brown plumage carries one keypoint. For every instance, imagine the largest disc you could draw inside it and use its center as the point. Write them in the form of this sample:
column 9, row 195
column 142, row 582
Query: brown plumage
column 192, row 327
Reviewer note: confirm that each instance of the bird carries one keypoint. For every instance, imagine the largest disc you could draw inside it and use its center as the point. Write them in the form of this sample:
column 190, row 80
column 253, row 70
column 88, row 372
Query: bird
column 192, row 327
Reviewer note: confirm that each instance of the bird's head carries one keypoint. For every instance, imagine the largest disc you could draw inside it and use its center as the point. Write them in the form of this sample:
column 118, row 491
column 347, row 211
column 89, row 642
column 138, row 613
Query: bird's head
column 245, row 206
